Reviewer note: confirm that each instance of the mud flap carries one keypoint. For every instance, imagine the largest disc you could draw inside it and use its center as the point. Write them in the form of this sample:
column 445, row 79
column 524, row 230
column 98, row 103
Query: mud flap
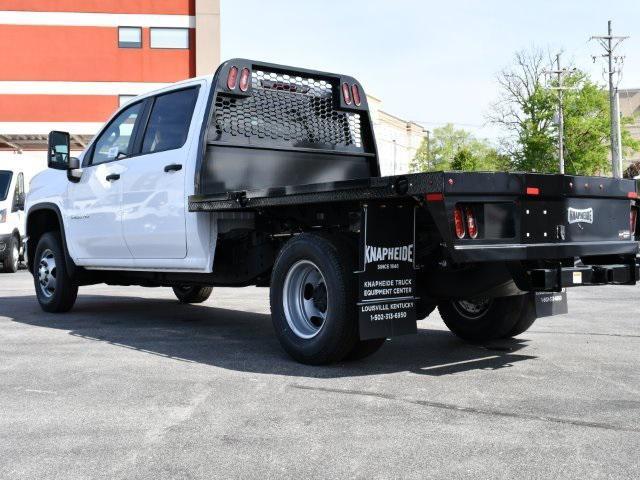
column 387, row 276
column 551, row 303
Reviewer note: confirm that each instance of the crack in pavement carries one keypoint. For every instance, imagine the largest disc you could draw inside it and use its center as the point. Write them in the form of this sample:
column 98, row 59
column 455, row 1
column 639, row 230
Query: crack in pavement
column 480, row 411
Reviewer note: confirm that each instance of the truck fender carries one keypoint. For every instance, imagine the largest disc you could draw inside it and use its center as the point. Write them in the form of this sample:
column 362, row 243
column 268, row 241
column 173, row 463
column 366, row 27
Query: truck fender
column 33, row 234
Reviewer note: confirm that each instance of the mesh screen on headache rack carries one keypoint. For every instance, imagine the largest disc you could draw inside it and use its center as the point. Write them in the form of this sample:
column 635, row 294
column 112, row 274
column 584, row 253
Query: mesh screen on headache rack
column 286, row 111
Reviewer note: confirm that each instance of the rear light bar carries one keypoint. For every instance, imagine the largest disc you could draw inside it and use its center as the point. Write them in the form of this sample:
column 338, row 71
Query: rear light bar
column 472, row 227
column 245, row 77
column 533, row 191
column 346, row 93
column 458, row 222
column 232, row 78
column 355, row 92
column 633, row 218
column 465, row 222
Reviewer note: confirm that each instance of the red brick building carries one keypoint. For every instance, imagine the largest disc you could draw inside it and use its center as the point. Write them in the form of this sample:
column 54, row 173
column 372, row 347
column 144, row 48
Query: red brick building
column 68, row 64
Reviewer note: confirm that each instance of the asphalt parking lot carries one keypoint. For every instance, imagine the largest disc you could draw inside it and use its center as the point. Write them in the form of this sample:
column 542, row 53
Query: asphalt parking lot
column 131, row 384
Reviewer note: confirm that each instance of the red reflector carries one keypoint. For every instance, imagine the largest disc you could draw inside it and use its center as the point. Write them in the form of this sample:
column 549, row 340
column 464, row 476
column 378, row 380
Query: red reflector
column 355, row 92
column 232, row 78
column 632, row 195
column 244, row 79
column 472, row 228
column 458, row 222
column 434, row 197
column 533, row 191
column 633, row 217
column 346, row 93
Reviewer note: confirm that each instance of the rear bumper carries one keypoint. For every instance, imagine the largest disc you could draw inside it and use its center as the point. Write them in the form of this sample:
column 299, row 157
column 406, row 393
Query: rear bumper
column 554, row 279
column 541, row 251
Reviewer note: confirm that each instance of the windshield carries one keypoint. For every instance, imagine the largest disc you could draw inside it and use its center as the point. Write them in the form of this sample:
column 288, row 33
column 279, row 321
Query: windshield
column 5, row 181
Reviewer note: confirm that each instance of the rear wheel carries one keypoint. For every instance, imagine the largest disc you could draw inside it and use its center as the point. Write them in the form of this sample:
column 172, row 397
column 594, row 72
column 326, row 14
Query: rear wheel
column 483, row 319
column 365, row 348
column 11, row 255
column 312, row 296
column 55, row 290
column 192, row 293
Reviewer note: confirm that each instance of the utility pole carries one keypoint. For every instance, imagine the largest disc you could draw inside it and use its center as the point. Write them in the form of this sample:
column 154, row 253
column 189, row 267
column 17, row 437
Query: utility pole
column 560, row 72
column 610, row 42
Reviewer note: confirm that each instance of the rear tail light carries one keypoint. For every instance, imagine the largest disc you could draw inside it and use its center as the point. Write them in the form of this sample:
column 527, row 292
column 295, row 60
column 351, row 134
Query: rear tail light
column 346, row 93
column 245, row 75
column 232, row 78
column 472, row 227
column 458, row 222
column 633, row 218
column 355, row 92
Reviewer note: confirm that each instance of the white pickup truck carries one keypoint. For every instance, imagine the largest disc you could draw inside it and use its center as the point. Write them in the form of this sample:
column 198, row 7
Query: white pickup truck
column 12, row 217
column 268, row 175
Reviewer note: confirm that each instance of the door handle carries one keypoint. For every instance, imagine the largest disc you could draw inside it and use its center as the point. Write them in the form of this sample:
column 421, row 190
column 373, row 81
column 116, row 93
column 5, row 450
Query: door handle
column 173, row 167
column 112, row 177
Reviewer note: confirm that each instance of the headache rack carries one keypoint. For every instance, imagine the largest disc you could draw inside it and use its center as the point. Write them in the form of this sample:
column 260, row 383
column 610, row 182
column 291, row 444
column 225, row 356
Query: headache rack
column 273, row 126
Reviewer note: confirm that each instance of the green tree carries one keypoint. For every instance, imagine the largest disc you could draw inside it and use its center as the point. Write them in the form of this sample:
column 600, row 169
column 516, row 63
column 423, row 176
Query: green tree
column 527, row 110
column 464, row 160
column 448, row 142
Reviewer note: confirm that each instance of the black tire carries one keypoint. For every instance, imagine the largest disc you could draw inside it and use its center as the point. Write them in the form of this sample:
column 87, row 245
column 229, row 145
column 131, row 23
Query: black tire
column 499, row 318
column 192, row 293
column 332, row 339
column 63, row 296
column 11, row 255
column 527, row 318
column 365, row 348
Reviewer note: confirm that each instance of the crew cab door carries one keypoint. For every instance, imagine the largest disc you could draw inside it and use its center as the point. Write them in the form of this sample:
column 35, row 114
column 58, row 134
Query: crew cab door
column 154, row 205
column 94, row 203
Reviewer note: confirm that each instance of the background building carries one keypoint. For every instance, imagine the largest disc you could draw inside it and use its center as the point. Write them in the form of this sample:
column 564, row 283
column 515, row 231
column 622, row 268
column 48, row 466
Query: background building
column 397, row 139
column 68, row 64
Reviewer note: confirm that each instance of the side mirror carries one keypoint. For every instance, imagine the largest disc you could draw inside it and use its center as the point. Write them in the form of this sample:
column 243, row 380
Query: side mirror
column 59, row 148
column 18, row 203
column 74, row 172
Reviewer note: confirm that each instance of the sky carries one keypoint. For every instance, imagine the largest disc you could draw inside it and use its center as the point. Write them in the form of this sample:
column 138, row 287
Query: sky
column 433, row 62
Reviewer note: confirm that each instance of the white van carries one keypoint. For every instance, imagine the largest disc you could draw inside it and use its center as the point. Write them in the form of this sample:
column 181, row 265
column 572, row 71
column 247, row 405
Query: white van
column 12, row 218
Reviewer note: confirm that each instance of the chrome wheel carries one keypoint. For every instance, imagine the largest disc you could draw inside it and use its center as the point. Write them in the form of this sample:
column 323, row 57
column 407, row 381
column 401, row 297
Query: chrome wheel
column 472, row 309
column 305, row 299
column 47, row 273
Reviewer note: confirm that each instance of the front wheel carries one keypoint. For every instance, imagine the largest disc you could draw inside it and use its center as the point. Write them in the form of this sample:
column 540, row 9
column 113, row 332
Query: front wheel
column 55, row 290
column 482, row 319
column 192, row 293
column 312, row 297
column 11, row 256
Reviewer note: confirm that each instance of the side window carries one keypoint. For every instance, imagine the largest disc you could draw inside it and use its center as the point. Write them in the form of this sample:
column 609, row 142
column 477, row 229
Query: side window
column 169, row 121
column 117, row 140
